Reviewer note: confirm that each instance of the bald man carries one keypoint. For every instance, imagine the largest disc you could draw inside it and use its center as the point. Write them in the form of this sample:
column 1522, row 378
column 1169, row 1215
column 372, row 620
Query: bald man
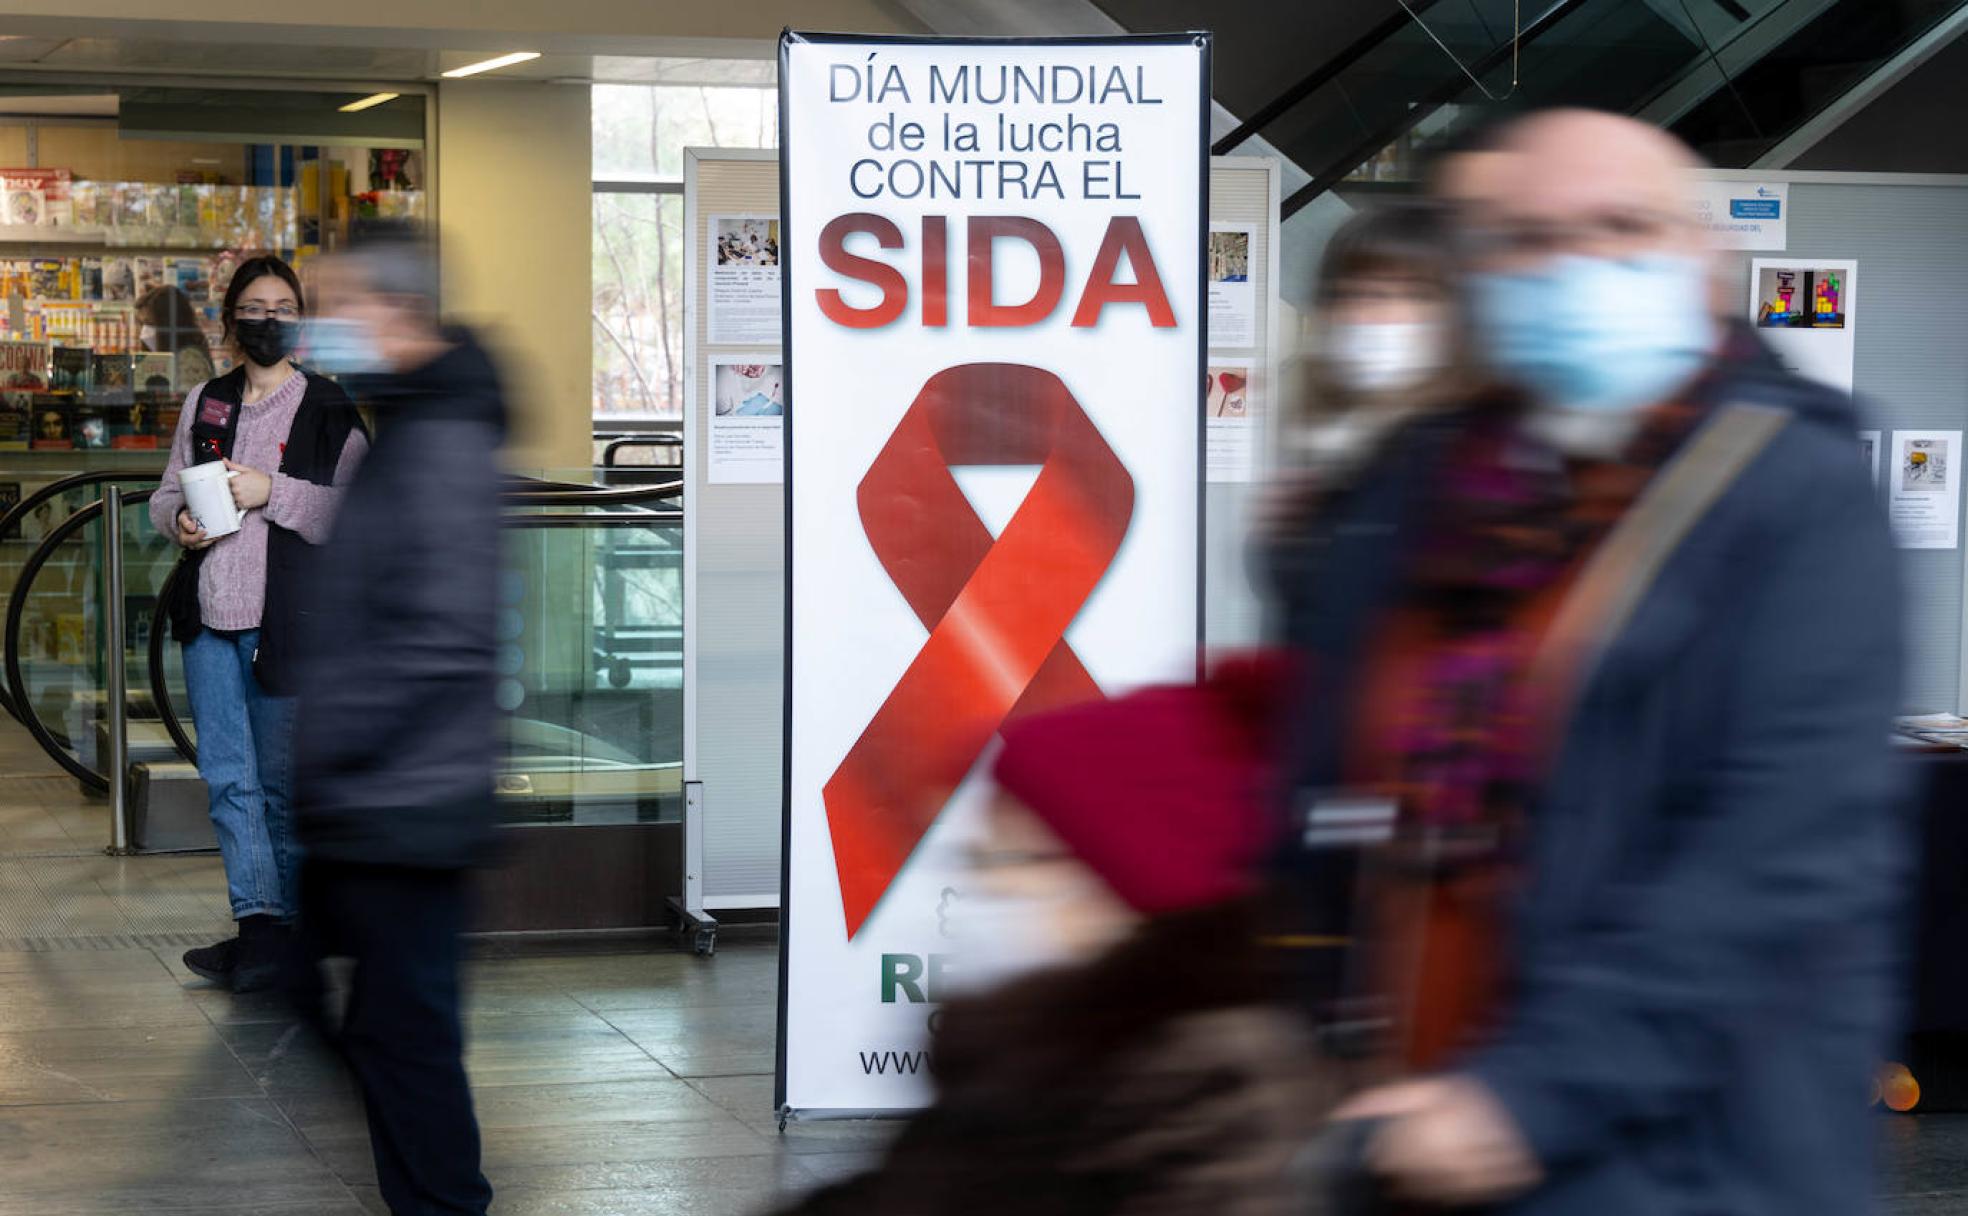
column 1701, row 944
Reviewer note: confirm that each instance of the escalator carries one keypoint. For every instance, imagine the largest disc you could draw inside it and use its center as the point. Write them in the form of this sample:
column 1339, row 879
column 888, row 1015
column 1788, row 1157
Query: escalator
column 590, row 661
column 1733, row 78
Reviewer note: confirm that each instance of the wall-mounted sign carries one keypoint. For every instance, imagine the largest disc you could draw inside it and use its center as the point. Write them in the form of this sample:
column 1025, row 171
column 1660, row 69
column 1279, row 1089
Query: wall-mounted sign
column 1744, row 215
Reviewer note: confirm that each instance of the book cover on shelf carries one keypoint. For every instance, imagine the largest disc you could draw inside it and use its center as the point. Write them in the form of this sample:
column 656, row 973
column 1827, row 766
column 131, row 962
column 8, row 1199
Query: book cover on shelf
column 191, row 275
column 149, row 273
column 164, row 422
column 10, row 495
column 194, row 367
column 160, row 207
column 26, row 207
column 16, row 421
column 93, row 276
column 24, row 365
column 119, row 279
column 51, row 424
column 85, row 200
column 114, row 379
column 134, row 427
column 46, row 280
column 129, row 204
column 155, row 372
column 187, row 205
column 89, row 427
column 70, row 369
column 55, row 185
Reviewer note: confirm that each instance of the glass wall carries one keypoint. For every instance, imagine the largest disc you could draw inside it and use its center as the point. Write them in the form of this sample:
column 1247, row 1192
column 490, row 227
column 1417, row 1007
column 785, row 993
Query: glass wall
column 640, row 132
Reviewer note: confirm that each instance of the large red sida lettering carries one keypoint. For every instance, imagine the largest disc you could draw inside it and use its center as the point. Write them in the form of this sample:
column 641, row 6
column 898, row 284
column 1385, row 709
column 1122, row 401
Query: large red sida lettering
column 1124, row 236
column 985, row 312
column 834, row 255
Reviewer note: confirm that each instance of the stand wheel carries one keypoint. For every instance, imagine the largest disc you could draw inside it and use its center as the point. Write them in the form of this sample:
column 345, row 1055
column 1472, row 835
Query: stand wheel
column 703, row 942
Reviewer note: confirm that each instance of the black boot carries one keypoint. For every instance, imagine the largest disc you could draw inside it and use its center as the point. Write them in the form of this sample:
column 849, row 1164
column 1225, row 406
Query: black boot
column 262, row 947
column 214, row 962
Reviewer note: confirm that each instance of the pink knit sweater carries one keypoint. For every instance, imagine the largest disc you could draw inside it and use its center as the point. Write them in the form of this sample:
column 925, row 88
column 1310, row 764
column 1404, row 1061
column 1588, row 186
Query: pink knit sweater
column 232, row 581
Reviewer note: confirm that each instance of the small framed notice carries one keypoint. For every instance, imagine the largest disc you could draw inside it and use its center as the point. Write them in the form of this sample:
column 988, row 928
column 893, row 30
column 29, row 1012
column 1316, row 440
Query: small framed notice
column 1923, row 489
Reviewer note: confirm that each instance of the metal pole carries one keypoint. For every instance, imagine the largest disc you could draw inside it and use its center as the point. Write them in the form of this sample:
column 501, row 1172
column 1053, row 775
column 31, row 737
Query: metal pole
column 117, row 693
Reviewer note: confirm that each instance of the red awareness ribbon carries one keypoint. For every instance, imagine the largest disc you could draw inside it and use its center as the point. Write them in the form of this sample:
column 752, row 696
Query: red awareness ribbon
column 996, row 610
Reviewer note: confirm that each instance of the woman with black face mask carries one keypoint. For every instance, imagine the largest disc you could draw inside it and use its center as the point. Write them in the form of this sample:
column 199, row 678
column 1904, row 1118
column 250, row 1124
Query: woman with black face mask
column 291, row 441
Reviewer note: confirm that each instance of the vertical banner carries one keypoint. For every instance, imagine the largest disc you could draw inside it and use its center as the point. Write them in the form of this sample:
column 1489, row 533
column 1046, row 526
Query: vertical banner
column 995, row 310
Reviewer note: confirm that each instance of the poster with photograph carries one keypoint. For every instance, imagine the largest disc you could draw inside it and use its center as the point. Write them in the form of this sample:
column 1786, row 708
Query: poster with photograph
column 1230, row 420
column 1869, row 452
column 1232, row 292
column 747, row 433
column 1807, row 312
column 996, row 314
column 1924, row 489
column 743, row 279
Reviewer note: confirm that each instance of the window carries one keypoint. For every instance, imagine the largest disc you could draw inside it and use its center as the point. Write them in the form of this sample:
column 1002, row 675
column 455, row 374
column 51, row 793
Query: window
column 640, row 132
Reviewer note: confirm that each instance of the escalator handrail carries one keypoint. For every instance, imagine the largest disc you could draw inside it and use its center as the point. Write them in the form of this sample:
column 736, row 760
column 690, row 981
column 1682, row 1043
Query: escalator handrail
column 597, row 496
column 1361, row 151
column 10, row 523
column 654, row 439
column 55, row 745
column 1353, row 52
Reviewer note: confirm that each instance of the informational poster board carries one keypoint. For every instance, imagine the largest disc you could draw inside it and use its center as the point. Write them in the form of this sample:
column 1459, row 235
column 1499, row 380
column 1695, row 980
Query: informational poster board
column 994, row 262
column 1808, row 311
column 734, row 553
column 1240, row 397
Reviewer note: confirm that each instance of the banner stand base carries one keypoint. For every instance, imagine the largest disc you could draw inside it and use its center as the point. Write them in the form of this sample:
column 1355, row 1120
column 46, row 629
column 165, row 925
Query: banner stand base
column 699, row 926
column 788, row 1114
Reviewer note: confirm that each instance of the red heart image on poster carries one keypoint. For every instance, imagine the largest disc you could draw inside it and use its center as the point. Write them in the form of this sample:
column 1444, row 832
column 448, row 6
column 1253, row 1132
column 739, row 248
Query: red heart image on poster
column 1232, row 382
column 997, row 610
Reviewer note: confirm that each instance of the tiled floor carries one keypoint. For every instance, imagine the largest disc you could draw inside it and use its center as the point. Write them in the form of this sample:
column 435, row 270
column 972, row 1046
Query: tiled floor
column 636, row 1081
column 632, row 1081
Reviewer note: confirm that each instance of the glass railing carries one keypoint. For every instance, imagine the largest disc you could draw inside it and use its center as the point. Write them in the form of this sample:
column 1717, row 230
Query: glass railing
column 591, row 658
column 590, row 647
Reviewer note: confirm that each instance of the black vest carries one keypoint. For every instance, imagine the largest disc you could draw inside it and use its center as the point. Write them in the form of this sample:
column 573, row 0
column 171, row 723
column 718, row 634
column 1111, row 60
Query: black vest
column 314, row 447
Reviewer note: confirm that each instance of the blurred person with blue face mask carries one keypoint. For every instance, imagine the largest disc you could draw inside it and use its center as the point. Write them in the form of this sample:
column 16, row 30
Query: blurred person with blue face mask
column 397, row 735
column 1618, row 661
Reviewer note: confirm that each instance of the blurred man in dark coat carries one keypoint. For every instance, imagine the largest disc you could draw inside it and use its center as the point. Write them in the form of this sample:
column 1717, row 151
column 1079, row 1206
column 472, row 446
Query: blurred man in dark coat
column 1624, row 660
column 396, row 732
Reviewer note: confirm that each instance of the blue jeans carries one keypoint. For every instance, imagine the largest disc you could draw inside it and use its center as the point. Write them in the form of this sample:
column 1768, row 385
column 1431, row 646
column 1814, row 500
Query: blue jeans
column 245, row 754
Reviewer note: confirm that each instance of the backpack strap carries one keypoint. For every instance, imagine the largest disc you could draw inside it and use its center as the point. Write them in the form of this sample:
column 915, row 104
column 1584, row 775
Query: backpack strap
column 1623, row 569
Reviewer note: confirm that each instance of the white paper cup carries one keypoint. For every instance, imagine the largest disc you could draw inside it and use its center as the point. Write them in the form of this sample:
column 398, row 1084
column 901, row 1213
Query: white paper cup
column 208, row 496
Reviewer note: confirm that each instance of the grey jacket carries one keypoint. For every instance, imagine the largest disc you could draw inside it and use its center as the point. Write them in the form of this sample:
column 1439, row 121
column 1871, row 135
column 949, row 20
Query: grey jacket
column 396, row 732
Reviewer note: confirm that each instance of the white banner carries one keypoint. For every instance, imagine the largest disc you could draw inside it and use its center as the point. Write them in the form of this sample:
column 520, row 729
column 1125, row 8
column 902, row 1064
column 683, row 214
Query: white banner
column 995, row 308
